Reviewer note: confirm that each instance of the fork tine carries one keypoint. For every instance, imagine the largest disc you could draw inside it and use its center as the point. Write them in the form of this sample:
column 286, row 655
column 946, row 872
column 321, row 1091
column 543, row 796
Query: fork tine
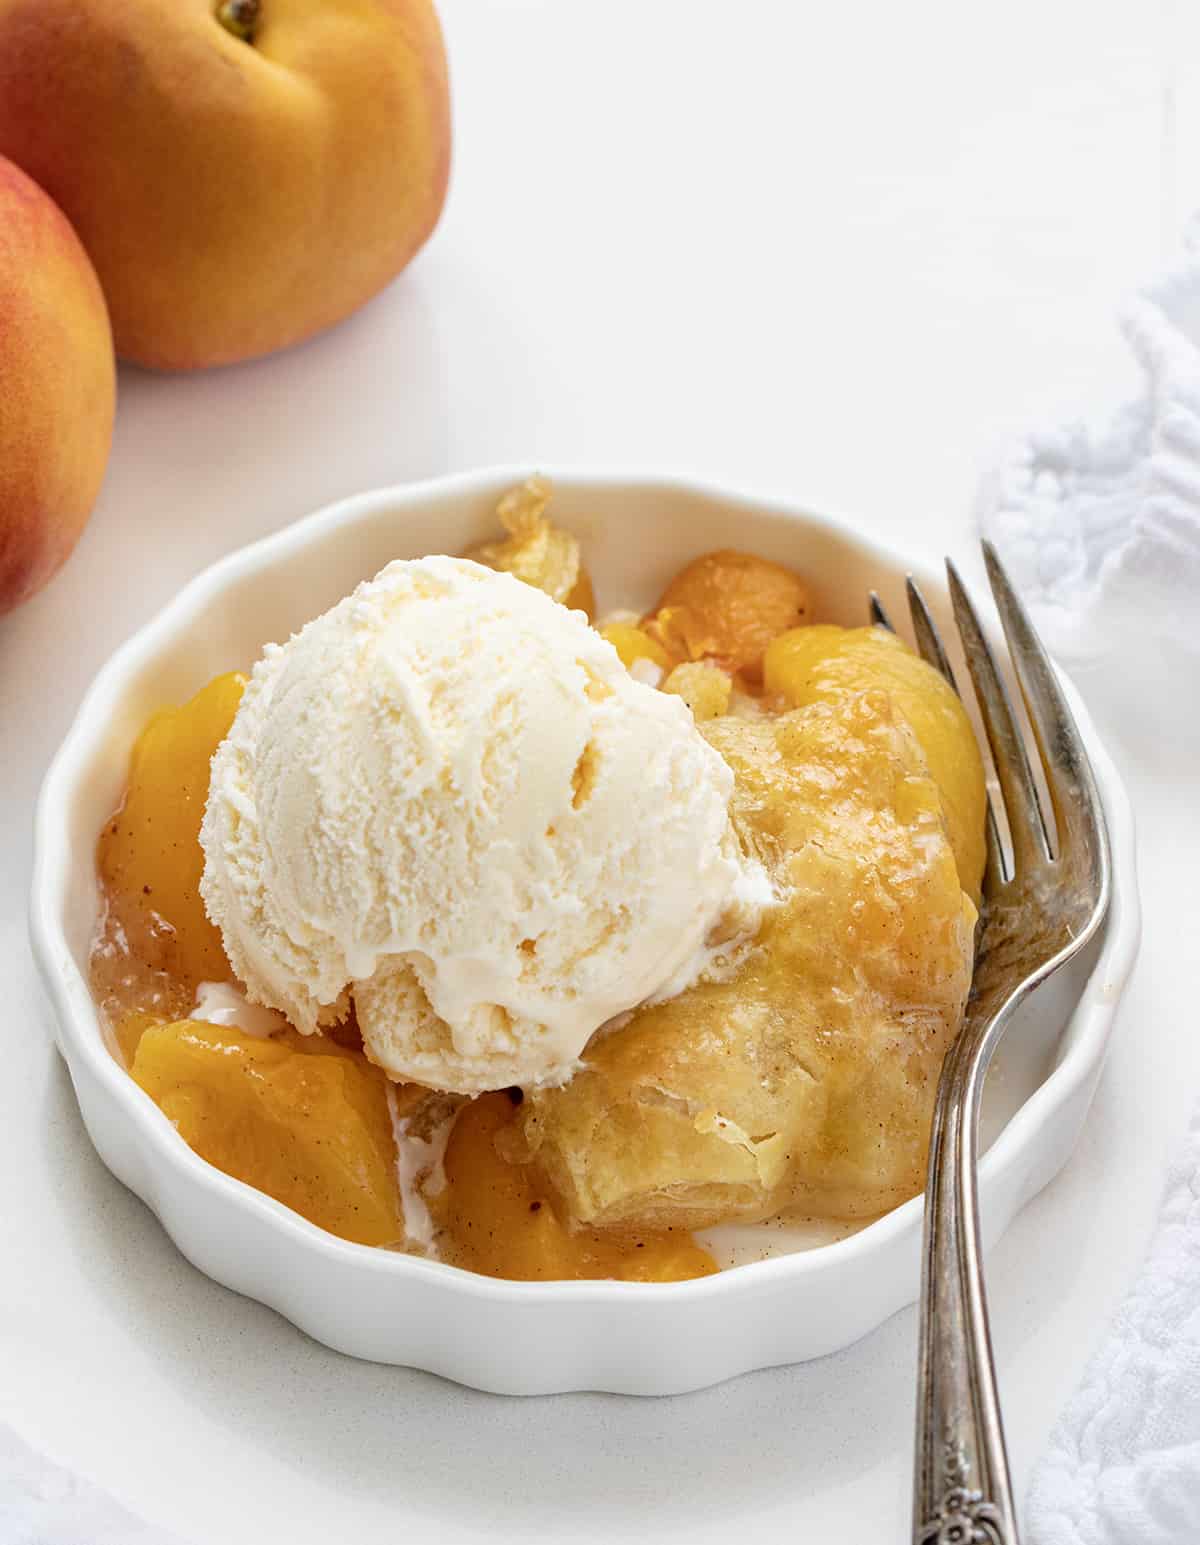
column 1026, row 823
column 878, row 615
column 1065, row 762
column 929, row 645
column 929, row 640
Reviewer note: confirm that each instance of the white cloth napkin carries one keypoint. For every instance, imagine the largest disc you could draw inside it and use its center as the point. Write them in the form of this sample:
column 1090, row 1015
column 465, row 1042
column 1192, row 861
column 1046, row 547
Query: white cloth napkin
column 43, row 1504
column 1123, row 1466
column 1100, row 529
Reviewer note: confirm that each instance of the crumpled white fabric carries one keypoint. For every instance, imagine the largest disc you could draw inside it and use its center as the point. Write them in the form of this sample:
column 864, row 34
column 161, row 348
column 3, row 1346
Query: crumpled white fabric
column 1123, row 1466
column 41, row 1503
column 1100, row 526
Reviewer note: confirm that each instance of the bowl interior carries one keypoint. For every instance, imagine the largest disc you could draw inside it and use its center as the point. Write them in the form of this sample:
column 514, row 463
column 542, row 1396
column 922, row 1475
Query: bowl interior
column 635, row 535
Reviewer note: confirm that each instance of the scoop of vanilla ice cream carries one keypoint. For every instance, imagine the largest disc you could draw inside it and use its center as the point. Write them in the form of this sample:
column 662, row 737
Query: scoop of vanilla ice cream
column 447, row 799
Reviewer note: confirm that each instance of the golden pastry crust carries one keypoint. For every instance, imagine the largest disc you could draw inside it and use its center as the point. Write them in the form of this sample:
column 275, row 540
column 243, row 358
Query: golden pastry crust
column 804, row 1080
column 543, row 555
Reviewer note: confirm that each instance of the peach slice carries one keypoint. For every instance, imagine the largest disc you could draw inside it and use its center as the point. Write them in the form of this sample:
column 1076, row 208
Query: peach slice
column 302, row 1119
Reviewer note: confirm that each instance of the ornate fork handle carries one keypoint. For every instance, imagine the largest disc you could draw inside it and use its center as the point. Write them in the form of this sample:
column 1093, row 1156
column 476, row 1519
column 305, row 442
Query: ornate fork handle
column 961, row 1492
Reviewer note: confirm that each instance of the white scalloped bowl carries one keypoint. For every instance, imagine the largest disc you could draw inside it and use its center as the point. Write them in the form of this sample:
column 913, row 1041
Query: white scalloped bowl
column 509, row 1337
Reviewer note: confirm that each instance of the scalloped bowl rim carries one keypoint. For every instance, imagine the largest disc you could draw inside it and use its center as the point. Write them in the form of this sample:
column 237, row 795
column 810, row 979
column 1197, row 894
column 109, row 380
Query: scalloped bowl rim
column 80, row 1029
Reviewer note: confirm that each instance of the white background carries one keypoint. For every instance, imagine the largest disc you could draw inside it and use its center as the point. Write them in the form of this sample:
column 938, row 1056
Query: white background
column 834, row 251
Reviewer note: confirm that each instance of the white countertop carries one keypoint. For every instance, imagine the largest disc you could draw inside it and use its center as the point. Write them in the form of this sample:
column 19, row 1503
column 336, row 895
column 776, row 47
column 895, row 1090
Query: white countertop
column 831, row 252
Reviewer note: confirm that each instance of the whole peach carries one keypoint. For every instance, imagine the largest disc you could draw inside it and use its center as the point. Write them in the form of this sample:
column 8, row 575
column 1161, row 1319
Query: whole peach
column 243, row 173
column 57, row 387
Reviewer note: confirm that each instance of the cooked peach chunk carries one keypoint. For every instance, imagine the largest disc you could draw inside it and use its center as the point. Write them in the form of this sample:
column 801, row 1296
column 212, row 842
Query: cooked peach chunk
column 149, row 857
column 634, row 643
column 302, row 1119
column 822, row 663
column 128, row 1033
column 728, row 606
column 499, row 1219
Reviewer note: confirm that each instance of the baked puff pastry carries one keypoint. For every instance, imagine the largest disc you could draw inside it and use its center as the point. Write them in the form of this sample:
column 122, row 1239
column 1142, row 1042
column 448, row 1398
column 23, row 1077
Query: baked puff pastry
column 802, row 1080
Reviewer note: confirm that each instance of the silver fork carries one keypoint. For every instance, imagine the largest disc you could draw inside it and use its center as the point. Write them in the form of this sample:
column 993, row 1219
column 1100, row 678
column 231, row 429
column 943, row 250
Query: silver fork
column 1038, row 911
